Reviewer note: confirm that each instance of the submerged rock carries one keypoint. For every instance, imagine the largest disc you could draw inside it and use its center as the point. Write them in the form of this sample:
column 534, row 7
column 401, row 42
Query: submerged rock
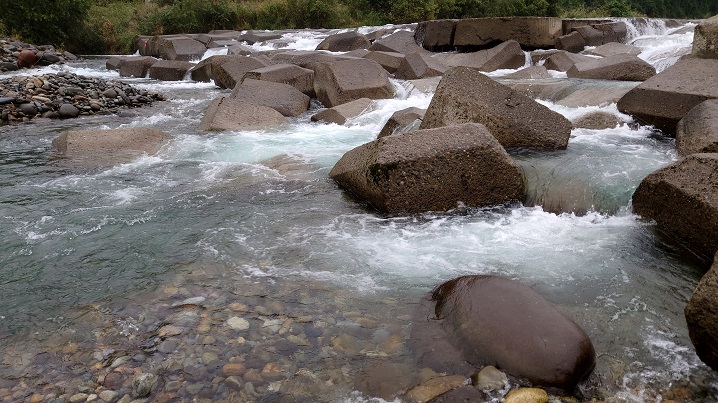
column 466, row 95
column 500, row 322
column 683, row 200
column 431, row 170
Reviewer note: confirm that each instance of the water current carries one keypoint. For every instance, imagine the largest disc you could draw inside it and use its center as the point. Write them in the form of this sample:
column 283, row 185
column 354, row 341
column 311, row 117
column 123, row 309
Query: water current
column 248, row 220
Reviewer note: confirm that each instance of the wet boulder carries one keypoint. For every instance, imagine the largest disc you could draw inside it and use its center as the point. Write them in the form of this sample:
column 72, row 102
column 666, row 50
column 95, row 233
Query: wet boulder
column 697, row 132
column 614, row 48
column 398, row 42
column 341, row 113
column 390, row 61
column 501, row 322
column 683, row 200
column 300, row 78
column 283, row 98
column 431, row 170
column 107, row 147
column 436, row 35
column 230, row 72
column 622, row 67
column 597, row 120
column 227, row 113
column 507, row 55
column 666, row 98
column 572, row 42
column 705, row 39
column 180, row 48
column 136, row 66
column 344, row 42
column 402, row 121
column 466, row 95
column 702, row 317
column 563, row 61
column 419, row 65
column 348, row 80
column 308, row 59
column 170, row 70
column 531, row 32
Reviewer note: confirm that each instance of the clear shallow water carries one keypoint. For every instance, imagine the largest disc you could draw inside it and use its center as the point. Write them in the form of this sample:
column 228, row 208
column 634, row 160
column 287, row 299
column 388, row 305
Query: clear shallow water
column 256, row 209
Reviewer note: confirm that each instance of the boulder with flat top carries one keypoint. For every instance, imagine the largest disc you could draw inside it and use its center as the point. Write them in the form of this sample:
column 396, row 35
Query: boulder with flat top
column 97, row 148
column 530, row 32
column 431, row 170
column 344, row 42
column 697, row 132
column 507, row 55
column 666, row 98
column 682, row 199
column 300, row 78
column 466, row 95
column 348, row 80
column 227, row 113
column 622, row 67
column 283, row 98
column 170, row 70
column 232, row 70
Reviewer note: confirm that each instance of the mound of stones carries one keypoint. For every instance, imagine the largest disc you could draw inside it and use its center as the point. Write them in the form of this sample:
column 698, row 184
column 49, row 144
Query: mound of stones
column 66, row 95
column 15, row 55
column 498, row 322
column 431, row 170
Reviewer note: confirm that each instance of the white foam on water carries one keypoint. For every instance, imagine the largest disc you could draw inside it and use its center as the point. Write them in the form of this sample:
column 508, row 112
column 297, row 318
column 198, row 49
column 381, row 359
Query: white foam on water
column 214, row 52
column 661, row 50
column 304, row 40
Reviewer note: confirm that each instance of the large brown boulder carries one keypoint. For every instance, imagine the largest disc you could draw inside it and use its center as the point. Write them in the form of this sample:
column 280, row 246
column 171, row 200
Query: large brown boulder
column 431, row 170
column 341, row 113
column 283, row 98
column 702, row 317
column 399, row 42
column 530, row 32
column 563, row 61
column 298, row 77
column 26, row 58
column 170, row 70
column 683, row 200
column 107, row 147
column 465, row 95
column 666, row 98
column 436, row 35
column 697, row 132
column 344, row 42
column 136, row 66
column 347, row 80
column 231, row 71
column 622, row 67
column 402, row 121
column 390, row 61
column 419, row 65
column 236, row 114
column 180, row 49
column 705, row 39
column 503, row 323
column 507, row 55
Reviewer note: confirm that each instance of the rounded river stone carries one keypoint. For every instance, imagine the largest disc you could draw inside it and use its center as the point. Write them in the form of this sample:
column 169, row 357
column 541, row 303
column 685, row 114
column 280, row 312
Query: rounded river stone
column 501, row 322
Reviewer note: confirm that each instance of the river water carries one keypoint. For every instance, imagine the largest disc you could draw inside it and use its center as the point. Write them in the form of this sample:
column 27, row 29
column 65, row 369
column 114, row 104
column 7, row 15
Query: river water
column 93, row 262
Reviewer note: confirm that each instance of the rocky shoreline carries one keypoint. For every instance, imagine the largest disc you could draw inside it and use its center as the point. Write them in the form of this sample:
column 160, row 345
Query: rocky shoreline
column 66, row 95
column 14, row 55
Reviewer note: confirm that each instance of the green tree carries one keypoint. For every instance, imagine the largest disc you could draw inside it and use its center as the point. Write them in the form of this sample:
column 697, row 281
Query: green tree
column 43, row 22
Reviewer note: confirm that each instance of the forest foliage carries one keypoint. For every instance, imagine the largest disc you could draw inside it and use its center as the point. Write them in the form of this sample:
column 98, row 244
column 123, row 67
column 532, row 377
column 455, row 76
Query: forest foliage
column 108, row 26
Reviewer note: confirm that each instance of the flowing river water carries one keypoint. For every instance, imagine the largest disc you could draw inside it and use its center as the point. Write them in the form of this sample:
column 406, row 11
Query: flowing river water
column 241, row 243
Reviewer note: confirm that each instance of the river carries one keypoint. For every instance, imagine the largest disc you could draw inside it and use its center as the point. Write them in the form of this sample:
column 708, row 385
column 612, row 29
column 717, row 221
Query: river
column 239, row 240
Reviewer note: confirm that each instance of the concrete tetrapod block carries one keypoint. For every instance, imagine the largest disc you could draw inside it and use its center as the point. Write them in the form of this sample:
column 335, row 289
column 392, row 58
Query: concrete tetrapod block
column 705, row 39
column 300, row 78
column 683, row 200
column 697, row 132
column 702, row 317
column 431, row 170
column 402, row 121
column 235, row 114
column 621, row 67
column 97, row 148
column 666, row 98
column 344, row 42
column 347, row 80
column 341, row 113
column 530, row 32
column 507, row 55
column 283, row 98
column 466, row 95
column 170, row 70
